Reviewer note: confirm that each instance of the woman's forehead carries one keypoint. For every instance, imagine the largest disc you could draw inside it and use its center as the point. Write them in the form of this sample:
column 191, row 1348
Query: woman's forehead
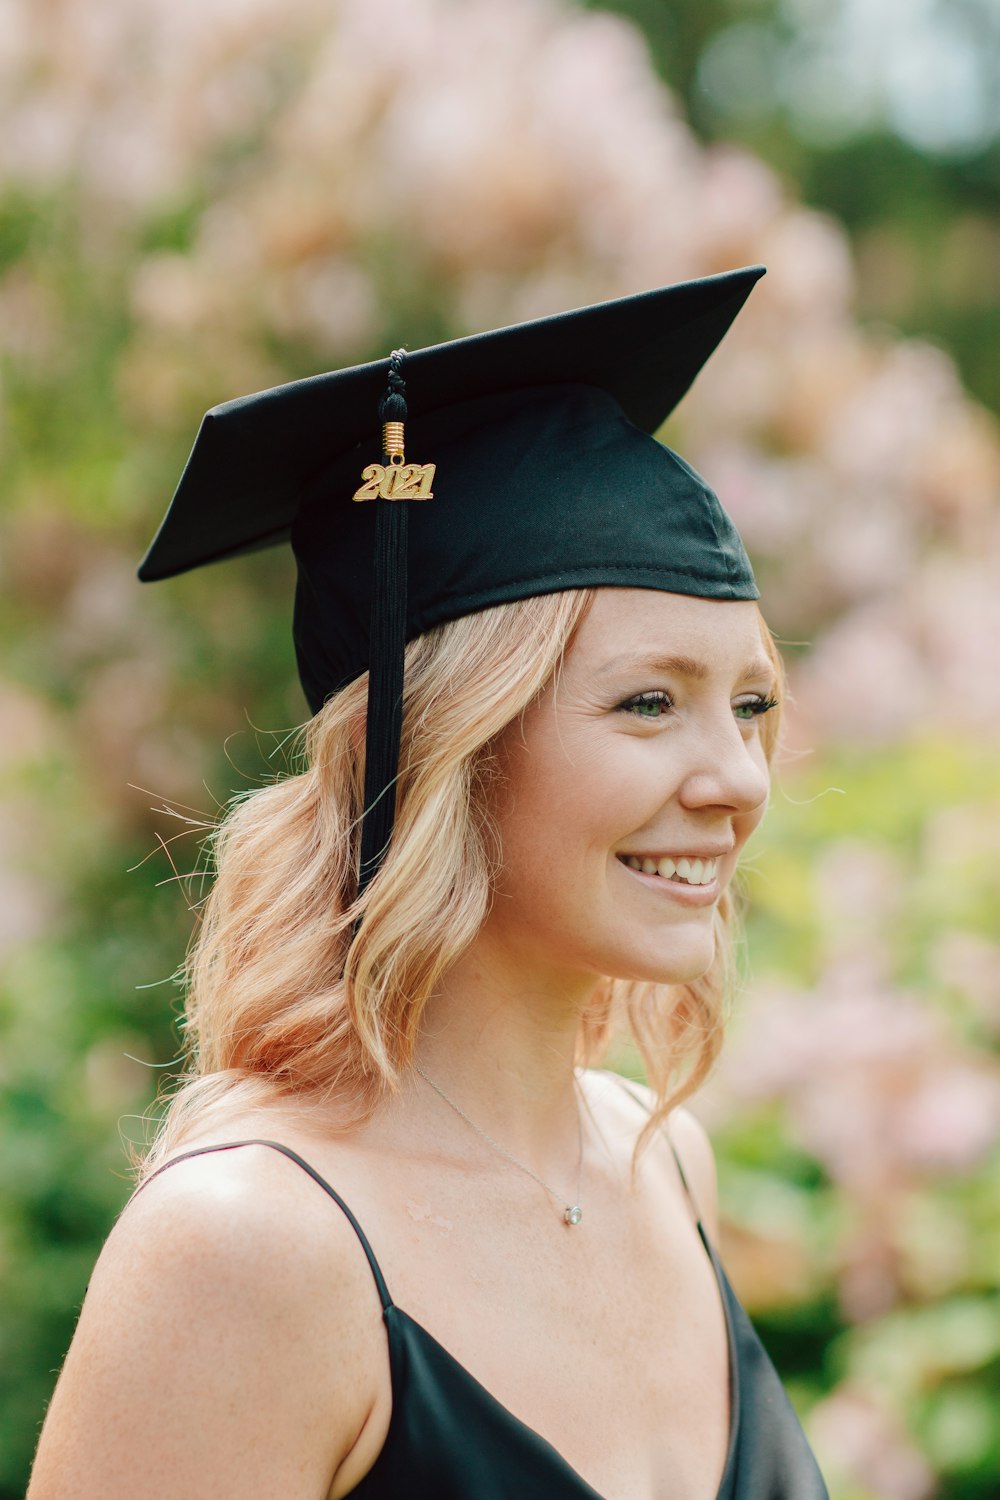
column 626, row 626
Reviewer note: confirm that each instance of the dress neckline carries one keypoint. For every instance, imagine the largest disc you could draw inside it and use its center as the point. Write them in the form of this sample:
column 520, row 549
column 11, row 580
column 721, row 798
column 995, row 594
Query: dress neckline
column 393, row 1313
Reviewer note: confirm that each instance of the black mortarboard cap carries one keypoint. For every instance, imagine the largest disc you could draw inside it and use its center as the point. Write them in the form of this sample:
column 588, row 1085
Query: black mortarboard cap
column 547, row 478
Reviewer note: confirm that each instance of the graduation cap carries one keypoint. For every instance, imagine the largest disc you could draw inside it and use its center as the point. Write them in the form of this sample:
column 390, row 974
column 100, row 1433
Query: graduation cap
column 511, row 463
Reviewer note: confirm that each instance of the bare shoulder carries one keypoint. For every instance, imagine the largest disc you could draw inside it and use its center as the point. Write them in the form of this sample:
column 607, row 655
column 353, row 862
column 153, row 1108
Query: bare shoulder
column 689, row 1138
column 229, row 1343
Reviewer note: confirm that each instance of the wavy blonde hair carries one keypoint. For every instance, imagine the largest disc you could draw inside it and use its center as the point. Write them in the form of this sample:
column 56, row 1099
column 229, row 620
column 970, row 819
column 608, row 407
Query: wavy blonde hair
column 283, row 1004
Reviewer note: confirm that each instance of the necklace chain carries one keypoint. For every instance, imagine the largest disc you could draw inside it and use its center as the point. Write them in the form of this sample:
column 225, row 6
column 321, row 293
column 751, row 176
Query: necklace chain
column 572, row 1212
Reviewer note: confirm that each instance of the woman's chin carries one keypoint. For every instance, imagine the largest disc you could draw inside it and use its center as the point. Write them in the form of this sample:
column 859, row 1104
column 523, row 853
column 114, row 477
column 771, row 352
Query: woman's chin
column 687, row 959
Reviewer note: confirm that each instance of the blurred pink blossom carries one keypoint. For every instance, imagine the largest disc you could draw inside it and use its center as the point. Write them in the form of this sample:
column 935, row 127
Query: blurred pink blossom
column 809, row 255
column 880, row 434
column 28, row 728
column 862, row 1443
column 951, row 1119
column 874, row 1087
column 865, row 481
column 859, row 896
column 29, row 900
column 31, row 323
column 865, row 681
column 969, row 963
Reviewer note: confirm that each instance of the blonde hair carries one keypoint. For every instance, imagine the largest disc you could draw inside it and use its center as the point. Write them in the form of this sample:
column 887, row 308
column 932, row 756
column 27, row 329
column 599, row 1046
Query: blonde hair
column 283, row 1004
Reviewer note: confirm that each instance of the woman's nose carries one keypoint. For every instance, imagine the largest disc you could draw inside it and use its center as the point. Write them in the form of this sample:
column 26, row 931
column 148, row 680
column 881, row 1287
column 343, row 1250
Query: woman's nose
column 728, row 772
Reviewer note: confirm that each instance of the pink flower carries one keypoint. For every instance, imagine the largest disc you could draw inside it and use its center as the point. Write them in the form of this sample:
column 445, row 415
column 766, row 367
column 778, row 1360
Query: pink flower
column 863, row 1444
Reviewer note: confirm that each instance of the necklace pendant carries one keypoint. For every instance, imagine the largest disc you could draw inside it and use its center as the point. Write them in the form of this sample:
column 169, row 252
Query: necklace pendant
column 572, row 1215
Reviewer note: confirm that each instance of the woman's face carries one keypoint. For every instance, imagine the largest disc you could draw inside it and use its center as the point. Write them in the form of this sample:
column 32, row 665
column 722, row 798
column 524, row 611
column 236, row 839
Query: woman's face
column 645, row 748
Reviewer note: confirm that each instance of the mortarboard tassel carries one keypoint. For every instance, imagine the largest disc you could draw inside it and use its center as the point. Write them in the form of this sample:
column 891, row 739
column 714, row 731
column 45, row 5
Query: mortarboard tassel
column 387, row 485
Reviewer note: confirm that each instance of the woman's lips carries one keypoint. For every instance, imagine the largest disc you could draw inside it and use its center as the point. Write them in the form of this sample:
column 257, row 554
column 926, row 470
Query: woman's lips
column 676, row 890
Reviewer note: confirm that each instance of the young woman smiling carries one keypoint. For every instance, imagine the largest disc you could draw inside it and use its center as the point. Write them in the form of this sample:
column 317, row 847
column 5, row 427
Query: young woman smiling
column 399, row 1234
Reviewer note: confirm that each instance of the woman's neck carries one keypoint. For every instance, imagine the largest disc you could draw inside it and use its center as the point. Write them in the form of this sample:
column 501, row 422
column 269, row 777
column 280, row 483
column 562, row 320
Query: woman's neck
column 501, row 1042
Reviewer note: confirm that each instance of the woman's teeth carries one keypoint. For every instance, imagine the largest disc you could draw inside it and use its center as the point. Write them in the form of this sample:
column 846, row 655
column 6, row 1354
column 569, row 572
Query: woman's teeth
column 693, row 871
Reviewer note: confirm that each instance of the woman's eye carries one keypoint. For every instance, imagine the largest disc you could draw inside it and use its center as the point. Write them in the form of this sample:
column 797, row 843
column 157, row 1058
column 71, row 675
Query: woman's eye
column 654, row 705
column 647, row 705
column 751, row 708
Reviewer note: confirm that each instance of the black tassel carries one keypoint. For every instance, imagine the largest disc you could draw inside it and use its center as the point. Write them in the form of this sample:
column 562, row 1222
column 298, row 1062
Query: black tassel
column 393, row 404
column 385, row 663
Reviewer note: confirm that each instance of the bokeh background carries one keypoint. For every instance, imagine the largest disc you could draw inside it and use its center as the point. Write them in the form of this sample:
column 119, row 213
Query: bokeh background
column 201, row 200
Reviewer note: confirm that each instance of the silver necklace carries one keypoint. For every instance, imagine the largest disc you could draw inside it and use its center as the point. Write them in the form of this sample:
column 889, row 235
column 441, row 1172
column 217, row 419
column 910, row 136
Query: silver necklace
column 572, row 1212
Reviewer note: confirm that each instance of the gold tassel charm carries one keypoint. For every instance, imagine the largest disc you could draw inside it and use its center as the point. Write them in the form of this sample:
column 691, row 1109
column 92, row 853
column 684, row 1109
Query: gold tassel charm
column 395, row 479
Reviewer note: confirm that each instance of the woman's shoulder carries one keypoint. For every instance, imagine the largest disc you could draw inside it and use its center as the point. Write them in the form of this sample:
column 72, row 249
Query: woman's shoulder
column 233, row 1209
column 231, row 1313
column 218, row 1227
column 237, row 1199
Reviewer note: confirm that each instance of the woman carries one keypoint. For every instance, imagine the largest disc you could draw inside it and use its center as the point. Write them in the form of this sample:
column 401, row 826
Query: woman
column 402, row 987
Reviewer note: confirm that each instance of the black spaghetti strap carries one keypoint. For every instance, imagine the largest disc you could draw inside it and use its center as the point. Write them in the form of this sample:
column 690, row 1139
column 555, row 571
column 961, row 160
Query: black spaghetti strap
column 376, row 1271
column 680, row 1168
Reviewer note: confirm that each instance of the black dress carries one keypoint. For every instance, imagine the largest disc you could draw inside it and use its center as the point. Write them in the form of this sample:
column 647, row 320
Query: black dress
column 449, row 1439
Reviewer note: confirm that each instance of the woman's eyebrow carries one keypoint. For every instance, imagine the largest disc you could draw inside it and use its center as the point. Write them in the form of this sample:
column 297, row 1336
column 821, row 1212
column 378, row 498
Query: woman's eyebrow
column 683, row 666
